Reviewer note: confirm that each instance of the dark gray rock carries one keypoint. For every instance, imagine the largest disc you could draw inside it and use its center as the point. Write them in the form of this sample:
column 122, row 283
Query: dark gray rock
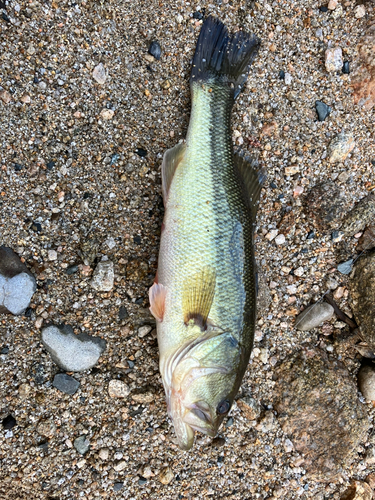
column 362, row 288
column 17, row 284
column 66, row 383
column 345, row 267
column 319, row 410
column 73, row 353
column 155, row 50
column 322, row 110
column 314, row 316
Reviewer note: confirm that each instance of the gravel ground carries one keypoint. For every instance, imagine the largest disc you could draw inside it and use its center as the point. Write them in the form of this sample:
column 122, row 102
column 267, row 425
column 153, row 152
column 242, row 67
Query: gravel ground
column 80, row 181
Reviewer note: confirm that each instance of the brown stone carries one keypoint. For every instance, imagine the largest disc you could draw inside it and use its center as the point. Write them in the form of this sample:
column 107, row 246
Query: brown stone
column 319, row 410
column 325, row 205
column 358, row 491
column 362, row 288
column 363, row 74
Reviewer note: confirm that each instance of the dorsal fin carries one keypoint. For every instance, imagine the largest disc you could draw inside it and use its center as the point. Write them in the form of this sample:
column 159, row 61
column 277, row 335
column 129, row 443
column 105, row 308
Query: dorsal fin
column 198, row 295
column 172, row 158
column 251, row 177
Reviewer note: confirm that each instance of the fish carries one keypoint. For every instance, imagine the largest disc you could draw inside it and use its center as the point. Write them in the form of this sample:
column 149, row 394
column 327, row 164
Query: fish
column 204, row 294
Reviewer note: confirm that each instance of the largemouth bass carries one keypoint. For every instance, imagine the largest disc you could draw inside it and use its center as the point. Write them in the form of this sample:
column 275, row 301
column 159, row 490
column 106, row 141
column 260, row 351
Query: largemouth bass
column 204, row 296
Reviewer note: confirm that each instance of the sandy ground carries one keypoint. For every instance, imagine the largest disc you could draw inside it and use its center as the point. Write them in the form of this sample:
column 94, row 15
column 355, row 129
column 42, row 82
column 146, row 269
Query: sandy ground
column 71, row 181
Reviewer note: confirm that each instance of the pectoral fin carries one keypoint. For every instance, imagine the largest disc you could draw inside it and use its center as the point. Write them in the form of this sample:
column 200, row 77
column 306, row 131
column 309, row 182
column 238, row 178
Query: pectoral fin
column 251, row 177
column 172, row 158
column 157, row 294
column 198, row 296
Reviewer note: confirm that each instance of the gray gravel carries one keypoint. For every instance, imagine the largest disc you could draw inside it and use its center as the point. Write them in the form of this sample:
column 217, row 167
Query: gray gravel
column 80, row 181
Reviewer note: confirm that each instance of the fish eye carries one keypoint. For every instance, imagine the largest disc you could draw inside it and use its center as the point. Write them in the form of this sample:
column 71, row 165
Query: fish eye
column 223, row 407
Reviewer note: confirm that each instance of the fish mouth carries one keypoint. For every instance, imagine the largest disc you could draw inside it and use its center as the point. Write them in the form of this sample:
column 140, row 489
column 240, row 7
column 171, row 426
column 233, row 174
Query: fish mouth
column 187, row 421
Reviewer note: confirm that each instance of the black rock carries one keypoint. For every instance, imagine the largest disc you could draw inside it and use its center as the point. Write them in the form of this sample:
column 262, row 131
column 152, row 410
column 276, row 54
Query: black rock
column 71, row 269
column 50, row 165
column 18, row 167
column 9, row 422
column 4, row 350
column 36, row 79
column 141, row 152
column 65, row 383
column 198, row 15
column 311, row 235
column 273, row 185
column 345, row 68
column 139, row 301
column 5, row 17
column 281, row 74
column 155, row 50
column 322, row 110
column 130, row 363
column 142, row 481
column 323, row 8
column 35, row 226
column 123, row 313
column 118, row 486
column 137, row 239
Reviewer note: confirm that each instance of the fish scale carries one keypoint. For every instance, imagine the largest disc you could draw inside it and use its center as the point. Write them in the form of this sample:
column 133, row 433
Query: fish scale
column 205, row 297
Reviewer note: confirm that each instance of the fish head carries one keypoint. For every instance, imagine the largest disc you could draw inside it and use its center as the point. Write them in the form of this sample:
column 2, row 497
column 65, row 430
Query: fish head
column 202, row 387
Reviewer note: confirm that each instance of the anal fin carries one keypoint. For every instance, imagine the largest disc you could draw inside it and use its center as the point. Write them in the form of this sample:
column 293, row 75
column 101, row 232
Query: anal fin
column 198, row 296
column 172, row 158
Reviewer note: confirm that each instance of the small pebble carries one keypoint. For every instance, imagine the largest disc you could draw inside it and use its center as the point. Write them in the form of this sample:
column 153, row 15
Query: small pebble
column 345, row 267
column 345, row 68
column 198, row 15
column 366, row 382
column 144, row 330
column 280, row 239
column 288, row 78
column 166, row 475
column 340, row 147
column 99, row 74
column 337, row 236
column 142, row 481
column 120, row 466
column 65, row 383
column 155, row 50
column 118, row 389
column 333, row 59
column 313, row 316
column 9, row 422
column 332, row 4
column 118, row 486
column 52, row 255
column 322, row 110
column 294, row 169
column 82, row 444
column 103, row 277
column 104, row 453
column 107, row 114
column 281, row 75
column 17, row 285
column 360, row 11
column 141, row 152
column 123, row 313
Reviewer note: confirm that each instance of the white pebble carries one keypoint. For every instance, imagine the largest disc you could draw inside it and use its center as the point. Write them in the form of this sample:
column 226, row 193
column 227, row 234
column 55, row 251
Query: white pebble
column 360, row 11
column 52, row 255
column 280, row 239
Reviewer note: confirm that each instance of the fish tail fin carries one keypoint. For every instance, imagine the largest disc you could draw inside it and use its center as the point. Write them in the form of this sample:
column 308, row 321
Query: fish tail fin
column 223, row 57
